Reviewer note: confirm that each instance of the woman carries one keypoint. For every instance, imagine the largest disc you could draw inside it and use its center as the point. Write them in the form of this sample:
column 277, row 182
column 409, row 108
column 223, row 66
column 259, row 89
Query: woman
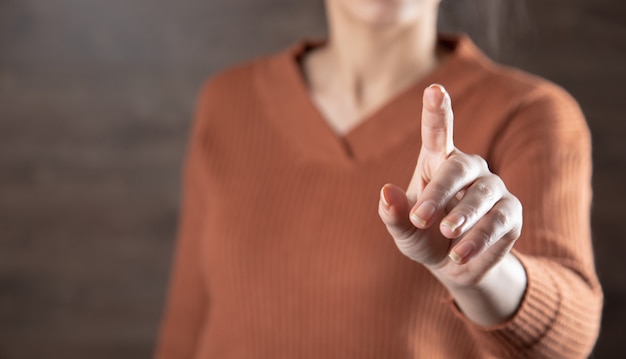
column 281, row 253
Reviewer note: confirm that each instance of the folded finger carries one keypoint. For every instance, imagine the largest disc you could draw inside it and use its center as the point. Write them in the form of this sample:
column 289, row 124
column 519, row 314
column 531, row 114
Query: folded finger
column 393, row 209
column 501, row 224
column 479, row 198
column 455, row 174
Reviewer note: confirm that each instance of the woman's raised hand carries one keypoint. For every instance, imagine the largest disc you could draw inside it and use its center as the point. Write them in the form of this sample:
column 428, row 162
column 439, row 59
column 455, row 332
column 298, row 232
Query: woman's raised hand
column 457, row 218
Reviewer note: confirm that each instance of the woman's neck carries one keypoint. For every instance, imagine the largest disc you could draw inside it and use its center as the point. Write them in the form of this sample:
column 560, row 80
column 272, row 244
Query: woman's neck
column 364, row 65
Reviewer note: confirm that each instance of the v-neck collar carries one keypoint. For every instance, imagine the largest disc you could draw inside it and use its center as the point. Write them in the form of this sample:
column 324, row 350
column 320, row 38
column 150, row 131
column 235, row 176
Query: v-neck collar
column 291, row 109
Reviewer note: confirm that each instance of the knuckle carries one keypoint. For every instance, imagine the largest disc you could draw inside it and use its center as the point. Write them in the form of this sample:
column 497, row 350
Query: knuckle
column 501, row 217
column 514, row 206
column 497, row 182
column 483, row 238
column 459, row 165
column 481, row 162
column 485, row 190
column 439, row 191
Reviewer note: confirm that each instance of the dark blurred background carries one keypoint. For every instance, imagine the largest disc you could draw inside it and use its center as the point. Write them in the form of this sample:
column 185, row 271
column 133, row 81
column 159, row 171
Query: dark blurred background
column 95, row 104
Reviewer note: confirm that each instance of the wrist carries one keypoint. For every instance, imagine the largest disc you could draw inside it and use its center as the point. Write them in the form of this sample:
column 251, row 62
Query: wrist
column 496, row 296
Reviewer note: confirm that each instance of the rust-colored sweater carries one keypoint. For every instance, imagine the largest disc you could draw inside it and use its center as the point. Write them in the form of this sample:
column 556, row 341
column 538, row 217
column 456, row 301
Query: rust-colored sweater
column 281, row 253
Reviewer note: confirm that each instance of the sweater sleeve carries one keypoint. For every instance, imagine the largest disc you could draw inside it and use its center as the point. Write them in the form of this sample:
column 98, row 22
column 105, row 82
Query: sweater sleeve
column 543, row 155
column 186, row 303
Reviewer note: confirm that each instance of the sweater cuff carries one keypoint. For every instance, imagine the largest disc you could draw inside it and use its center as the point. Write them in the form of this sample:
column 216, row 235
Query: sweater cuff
column 536, row 315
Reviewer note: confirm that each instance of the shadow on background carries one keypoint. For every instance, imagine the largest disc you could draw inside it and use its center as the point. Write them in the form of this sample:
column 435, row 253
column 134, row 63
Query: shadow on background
column 95, row 104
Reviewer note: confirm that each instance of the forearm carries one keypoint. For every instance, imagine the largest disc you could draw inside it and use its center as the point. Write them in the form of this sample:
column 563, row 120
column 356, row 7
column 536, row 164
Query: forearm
column 558, row 316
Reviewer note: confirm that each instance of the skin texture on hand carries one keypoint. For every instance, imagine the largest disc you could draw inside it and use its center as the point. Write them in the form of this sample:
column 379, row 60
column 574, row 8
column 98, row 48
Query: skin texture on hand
column 458, row 220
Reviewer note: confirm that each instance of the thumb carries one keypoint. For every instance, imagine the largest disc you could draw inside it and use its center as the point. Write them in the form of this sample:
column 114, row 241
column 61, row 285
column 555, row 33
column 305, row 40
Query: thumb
column 393, row 209
column 437, row 124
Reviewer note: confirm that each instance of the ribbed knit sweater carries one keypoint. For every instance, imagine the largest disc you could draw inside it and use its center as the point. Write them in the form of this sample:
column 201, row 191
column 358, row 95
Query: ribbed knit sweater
column 281, row 253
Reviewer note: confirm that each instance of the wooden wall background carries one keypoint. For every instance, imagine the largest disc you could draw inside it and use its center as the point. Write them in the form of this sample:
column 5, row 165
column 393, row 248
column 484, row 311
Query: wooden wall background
column 95, row 103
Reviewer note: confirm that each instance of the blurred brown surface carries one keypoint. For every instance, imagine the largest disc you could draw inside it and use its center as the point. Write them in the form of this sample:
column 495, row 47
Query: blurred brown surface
column 95, row 103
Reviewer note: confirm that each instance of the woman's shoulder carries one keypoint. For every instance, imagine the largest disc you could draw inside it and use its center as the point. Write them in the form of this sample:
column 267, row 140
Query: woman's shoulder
column 536, row 106
column 249, row 76
column 515, row 101
column 502, row 84
column 526, row 87
column 237, row 95
column 235, row 79
column 539, row 103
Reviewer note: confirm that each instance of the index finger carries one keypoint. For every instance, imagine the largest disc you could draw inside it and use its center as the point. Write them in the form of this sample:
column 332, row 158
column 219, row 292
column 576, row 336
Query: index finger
column 437, row 123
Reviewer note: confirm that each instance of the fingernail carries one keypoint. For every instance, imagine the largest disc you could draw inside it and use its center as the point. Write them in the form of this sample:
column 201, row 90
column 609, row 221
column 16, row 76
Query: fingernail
column 423, row 213
column 453, row 221
column 439, row 87
column 443, row 92
column 383, row 196
column 461, row 253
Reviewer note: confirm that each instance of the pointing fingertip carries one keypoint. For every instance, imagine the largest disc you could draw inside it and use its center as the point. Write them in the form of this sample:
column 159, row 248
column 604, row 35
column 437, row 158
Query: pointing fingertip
column 438, row 97
column 439, row 87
